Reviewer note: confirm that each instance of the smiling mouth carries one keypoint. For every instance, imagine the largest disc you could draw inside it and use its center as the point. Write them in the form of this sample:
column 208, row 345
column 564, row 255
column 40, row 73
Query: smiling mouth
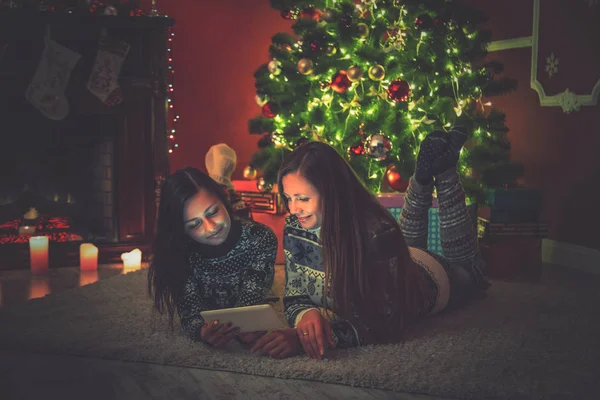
column 302, row 219
column 216, row 233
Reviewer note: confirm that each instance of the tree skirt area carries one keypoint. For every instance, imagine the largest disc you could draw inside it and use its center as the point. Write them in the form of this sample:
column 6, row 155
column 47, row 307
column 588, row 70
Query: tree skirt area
column 522, row 341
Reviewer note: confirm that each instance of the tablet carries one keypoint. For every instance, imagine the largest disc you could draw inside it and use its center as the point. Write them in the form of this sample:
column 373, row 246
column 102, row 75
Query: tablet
column 262, row 317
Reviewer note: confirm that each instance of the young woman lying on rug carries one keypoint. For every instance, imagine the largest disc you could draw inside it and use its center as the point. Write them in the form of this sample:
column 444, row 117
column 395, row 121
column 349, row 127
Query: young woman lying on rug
column 353, row 274
column 204, row 258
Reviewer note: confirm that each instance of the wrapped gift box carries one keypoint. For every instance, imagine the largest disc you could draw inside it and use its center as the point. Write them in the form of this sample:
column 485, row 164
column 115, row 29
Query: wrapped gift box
column 512, row 251
column 513, row 258
column 511, row 205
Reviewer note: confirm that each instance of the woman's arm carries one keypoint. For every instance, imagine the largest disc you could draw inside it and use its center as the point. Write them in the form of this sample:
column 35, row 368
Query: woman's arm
column 189, row 308
column 257, row 278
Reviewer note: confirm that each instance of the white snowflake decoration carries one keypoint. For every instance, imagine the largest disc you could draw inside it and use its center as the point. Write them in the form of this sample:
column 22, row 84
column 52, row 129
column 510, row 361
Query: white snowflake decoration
column 552, row 65
column 591, row 3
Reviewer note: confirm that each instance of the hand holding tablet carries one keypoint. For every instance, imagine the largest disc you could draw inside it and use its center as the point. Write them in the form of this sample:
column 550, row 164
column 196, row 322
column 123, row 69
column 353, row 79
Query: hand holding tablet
column 261, row 317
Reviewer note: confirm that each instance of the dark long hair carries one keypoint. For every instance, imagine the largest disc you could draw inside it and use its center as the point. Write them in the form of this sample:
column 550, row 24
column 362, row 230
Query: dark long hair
column 169, row 268
column 347, row 206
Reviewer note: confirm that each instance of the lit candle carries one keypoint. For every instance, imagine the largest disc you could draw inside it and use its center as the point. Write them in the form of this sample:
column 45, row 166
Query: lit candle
column 88, row 257
column 132, row 260
column 38, row 254
column 87, row 277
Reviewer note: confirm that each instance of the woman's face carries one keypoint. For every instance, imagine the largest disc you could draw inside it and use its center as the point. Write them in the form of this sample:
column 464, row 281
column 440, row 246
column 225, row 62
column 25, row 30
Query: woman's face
column 303, row 200
column 206, row 219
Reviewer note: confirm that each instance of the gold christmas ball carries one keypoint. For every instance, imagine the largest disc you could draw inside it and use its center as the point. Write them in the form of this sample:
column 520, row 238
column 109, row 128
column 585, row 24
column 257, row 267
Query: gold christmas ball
column 363, row 29
column 263, row 186
column 377, row 72
column 330, row 50
column 305, row 66
column 354, row 74
column 274, row 67
column 250, row 173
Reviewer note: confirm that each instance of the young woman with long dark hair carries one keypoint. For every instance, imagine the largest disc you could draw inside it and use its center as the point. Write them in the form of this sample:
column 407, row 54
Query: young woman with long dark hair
column 204, row 258
column 354, row 275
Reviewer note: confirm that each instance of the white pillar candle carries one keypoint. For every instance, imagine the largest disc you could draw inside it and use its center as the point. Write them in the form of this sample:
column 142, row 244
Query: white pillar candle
column 87, row 277
column 88, row 257
column 132, row 260
column 38, row 254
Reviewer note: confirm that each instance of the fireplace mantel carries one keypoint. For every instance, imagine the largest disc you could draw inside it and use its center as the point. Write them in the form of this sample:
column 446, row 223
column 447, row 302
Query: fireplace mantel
column 130, row 137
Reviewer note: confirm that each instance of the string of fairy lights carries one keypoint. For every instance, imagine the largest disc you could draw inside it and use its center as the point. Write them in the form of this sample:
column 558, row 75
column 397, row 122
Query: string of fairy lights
column 370, row 85
column 172, row 115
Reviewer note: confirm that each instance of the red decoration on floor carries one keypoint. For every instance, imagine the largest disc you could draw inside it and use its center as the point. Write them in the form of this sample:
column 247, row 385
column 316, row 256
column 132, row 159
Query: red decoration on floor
column 56, row 228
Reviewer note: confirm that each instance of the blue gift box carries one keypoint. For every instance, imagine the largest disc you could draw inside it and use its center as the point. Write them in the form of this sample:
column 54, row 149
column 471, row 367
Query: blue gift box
column 512, row 205
column 394, row 202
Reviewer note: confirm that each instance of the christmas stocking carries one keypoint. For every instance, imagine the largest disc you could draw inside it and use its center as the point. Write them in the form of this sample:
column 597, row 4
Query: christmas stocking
column 103, row 82
column 47, row 88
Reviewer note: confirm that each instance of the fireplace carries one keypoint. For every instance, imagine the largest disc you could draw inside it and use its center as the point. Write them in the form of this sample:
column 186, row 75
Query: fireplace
column 91, row 176
column 64, row 175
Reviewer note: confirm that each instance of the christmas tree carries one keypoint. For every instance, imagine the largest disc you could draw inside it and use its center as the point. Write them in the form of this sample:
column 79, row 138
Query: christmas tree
column 373, row 78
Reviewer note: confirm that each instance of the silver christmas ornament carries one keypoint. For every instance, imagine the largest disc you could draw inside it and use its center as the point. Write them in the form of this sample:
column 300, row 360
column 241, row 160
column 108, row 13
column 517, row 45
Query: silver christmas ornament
column 378, row 147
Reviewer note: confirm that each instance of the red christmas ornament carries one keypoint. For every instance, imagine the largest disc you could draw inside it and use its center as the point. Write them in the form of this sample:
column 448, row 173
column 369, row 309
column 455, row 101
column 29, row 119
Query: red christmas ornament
column 340, row 82
column 358, row 149
column 394, row 180
column 312, row 13
column 269, row 110
column 398, row 90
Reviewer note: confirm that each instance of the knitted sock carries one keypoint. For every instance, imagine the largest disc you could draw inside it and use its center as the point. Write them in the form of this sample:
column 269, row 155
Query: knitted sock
column 449, row 156
column 432, row 147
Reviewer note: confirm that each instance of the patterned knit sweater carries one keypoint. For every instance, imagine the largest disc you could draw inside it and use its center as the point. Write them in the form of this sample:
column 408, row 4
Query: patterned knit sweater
column 236, row 273
column 305, row 275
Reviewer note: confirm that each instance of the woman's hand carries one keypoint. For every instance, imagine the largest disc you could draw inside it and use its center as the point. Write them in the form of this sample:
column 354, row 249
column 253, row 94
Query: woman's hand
column 217, row 335
column 250, row 338
column 278, row 344
column 313, row 330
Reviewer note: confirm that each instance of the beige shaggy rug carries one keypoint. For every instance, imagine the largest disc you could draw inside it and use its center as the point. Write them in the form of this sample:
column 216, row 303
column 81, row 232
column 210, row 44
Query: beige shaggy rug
column 523, row 341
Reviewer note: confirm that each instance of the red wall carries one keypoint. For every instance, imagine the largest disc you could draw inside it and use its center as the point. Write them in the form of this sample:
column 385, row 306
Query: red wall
column 219, row 45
